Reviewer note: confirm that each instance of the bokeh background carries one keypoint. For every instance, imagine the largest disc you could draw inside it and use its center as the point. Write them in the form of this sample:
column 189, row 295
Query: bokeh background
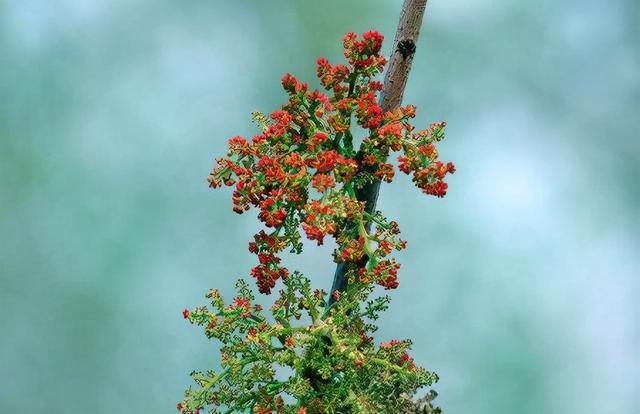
column 520, row 288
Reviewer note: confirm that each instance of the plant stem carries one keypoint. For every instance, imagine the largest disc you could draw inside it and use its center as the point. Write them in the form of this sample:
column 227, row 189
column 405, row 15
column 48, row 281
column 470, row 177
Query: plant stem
column 395, row 81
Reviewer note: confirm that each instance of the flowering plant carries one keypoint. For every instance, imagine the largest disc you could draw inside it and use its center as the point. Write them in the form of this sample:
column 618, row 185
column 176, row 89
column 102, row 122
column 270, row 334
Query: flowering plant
column 310, row 353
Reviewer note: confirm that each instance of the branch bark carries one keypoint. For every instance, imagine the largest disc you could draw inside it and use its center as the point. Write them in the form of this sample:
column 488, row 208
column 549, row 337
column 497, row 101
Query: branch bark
column 395, row 80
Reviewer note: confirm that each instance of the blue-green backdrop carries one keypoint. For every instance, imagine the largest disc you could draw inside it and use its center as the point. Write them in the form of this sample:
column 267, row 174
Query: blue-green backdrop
column 520, row 288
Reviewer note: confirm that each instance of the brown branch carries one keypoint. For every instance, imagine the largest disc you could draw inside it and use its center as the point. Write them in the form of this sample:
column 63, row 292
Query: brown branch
column 395, row 80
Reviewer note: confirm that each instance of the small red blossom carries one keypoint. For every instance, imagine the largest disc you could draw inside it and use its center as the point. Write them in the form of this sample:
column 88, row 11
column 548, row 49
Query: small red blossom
column 291, row 84
column 438, row 189
column 346, row 104
column 322, row 182
column 331, row 76
column 314, row 233
column 318, row 96
column 372, row 42
column 185, row 313
column 391, row 135
column 390, row 344
column 270, row 214
column 317, row 139
column 240, row 302
column 385, row 273
column 239, row 145
column 353, row 250
column 325, row 161
column 406, row 359
column 385, row 172
column 369, row 159
column 266, row 276
column 376, row 85
column 400, row 113
column 368, row 112
column 364, row 53
column 280, row 126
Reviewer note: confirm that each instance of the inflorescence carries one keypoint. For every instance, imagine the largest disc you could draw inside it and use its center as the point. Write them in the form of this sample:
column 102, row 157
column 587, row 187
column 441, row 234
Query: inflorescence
column 302, row 173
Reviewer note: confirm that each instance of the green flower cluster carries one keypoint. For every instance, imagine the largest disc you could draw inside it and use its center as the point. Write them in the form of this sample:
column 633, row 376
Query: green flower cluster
column 270, row 364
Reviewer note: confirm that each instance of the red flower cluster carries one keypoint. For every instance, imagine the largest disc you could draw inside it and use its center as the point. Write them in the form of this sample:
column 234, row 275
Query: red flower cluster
column 384, row 274
column 307, row 145
column 322, row 182
column 268, row 272
column 352, row 250
column 331, row 77
column 366, row 52
column 291, row 84
column 319, row 221
column 421, row 159
column 369, row 114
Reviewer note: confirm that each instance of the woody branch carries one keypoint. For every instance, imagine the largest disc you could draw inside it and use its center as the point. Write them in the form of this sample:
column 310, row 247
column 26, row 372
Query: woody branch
column 402, row 52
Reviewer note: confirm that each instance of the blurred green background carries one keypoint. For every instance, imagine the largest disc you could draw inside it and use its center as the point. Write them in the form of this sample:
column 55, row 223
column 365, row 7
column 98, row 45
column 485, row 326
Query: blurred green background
column 520, row 288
